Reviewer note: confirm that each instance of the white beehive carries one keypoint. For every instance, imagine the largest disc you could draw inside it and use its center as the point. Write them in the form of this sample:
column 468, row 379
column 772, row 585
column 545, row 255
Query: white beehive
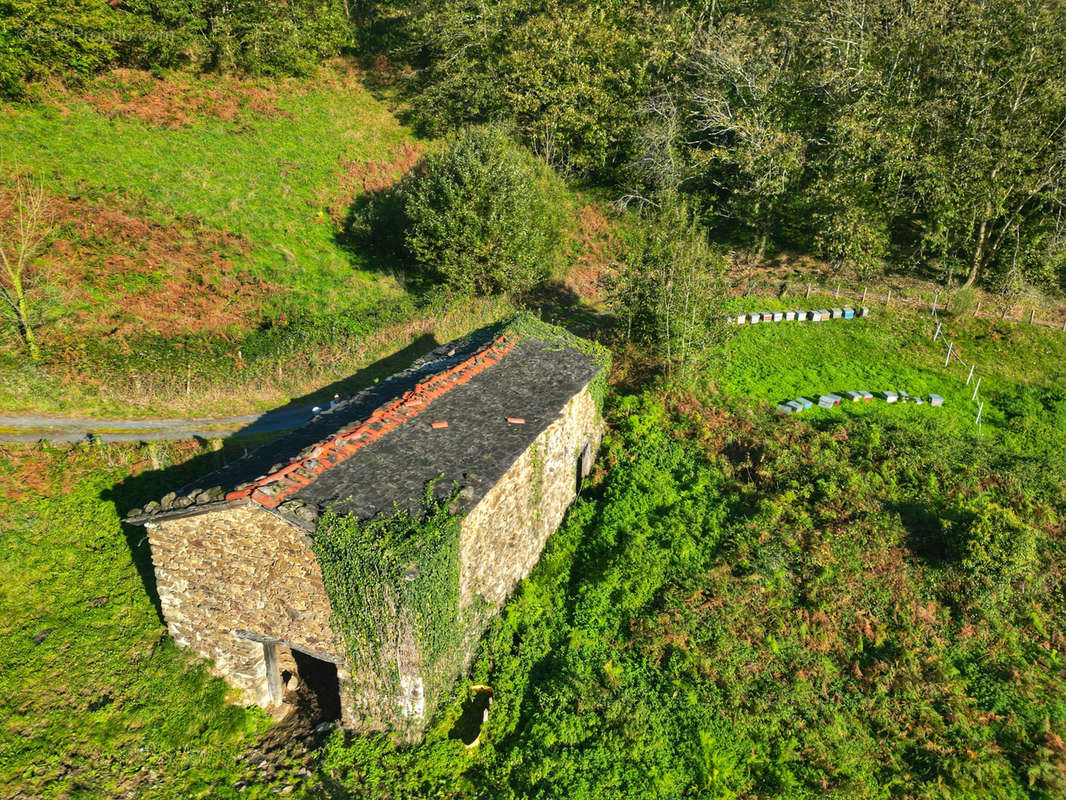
column 936, row 400
column 890, row 397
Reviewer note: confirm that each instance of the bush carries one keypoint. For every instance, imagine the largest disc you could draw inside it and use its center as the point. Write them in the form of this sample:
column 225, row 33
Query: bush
column 39, row 37
column 994, row 547
column 669, row 290
column 482, row 216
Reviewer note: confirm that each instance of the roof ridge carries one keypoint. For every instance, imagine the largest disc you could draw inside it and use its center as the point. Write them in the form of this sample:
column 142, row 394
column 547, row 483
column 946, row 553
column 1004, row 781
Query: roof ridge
column 272, row 489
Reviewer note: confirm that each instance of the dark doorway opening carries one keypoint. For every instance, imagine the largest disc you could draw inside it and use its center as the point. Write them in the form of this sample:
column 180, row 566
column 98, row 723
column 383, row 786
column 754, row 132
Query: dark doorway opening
column 320, row 679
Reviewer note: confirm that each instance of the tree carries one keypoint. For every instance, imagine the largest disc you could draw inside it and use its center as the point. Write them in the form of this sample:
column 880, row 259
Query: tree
column 742, row 79
column 25, row 228
column 669, row 289
column 482, row 216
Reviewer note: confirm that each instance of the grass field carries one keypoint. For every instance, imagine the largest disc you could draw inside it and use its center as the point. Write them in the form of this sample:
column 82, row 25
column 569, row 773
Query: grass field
column 1022, row 369
column 739, row 606
column 270, row 175
column 96, row 700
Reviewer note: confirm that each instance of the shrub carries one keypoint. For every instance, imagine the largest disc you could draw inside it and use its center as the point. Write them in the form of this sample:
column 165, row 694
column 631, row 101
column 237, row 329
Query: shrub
column 669, row 290
column 38, row 37
column 482, row 216
column 993, row 546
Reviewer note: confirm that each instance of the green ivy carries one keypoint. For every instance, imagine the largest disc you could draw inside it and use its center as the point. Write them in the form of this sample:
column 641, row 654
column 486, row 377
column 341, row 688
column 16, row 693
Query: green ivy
column 388, row 578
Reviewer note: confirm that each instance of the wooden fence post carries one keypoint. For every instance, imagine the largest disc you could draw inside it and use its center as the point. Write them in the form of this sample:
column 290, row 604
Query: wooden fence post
column 808, row 291
column 1032, row 314
column 888, row 300
column 977, row 310
column 863, row 301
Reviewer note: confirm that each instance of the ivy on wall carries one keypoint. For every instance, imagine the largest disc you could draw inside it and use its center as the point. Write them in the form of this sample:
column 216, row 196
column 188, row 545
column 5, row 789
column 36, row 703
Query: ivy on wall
column 393, row 581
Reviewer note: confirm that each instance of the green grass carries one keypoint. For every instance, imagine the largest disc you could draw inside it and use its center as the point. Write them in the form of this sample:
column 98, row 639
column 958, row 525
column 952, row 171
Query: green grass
column 738, row 606
column 265, row 178
column 1022, row 368
column 103, row 705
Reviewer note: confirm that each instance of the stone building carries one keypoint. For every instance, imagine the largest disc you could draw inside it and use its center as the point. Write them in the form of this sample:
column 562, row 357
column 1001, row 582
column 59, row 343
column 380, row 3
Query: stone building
column 508, row 423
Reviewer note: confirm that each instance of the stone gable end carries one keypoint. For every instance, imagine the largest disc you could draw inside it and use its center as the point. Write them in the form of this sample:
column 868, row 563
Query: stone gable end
column 237, row 571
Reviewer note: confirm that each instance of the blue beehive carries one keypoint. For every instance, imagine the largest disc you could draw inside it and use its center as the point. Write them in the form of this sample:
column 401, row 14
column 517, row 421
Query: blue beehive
column 803, row 401
column 849, row 313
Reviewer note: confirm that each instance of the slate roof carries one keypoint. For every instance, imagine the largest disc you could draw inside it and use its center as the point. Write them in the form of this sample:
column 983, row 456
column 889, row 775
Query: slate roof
column 474, row 384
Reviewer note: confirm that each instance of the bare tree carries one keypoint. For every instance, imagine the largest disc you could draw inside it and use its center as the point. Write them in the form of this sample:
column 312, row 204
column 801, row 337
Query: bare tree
column 25, row 227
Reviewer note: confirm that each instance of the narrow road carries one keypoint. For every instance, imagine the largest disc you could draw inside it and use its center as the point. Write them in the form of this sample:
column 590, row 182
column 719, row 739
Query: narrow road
column 33, row 428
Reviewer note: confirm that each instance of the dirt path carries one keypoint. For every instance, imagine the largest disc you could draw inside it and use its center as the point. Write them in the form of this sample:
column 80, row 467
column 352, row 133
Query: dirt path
column 34, row 428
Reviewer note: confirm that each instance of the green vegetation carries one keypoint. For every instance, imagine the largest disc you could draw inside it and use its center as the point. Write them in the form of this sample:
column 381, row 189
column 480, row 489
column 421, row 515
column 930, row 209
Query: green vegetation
column 482, row 216
column 744, row 608
column 391, row 579
column 1020, row 367
column 858, row 602
column 82, row 37
column 95, row 699
column 669, row 291
column 917, row 137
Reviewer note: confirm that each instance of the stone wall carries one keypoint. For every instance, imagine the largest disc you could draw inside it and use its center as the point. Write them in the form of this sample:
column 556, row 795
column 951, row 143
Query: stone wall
column 235, row 578
column 241, row 572
column 504, row 534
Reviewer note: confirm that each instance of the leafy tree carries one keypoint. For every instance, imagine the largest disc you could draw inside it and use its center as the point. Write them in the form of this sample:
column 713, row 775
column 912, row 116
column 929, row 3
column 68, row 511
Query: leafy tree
column 569, row 76
column 739, row 92
column 669, row 289
column 483, row 215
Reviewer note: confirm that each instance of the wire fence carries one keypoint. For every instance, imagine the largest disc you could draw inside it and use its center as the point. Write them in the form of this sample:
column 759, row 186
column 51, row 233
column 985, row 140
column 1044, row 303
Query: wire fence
column 971, row 377
column 932, row 300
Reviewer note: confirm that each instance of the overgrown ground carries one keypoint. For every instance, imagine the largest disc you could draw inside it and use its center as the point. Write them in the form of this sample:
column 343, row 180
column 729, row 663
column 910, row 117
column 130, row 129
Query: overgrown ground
column 739, row 606
column 204, row 261
column 200, row 262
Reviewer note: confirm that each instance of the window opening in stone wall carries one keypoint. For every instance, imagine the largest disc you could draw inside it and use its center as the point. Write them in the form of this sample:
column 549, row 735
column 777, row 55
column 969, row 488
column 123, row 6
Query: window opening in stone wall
column 318, row 679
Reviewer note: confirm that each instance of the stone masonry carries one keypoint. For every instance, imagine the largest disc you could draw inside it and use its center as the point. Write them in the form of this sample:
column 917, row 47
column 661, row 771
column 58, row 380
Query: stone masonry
column 239, row 582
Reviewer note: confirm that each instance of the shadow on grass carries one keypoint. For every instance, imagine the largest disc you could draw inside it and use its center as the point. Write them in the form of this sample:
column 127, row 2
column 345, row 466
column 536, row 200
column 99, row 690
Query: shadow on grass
column 137, row 490
column 926, row 537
